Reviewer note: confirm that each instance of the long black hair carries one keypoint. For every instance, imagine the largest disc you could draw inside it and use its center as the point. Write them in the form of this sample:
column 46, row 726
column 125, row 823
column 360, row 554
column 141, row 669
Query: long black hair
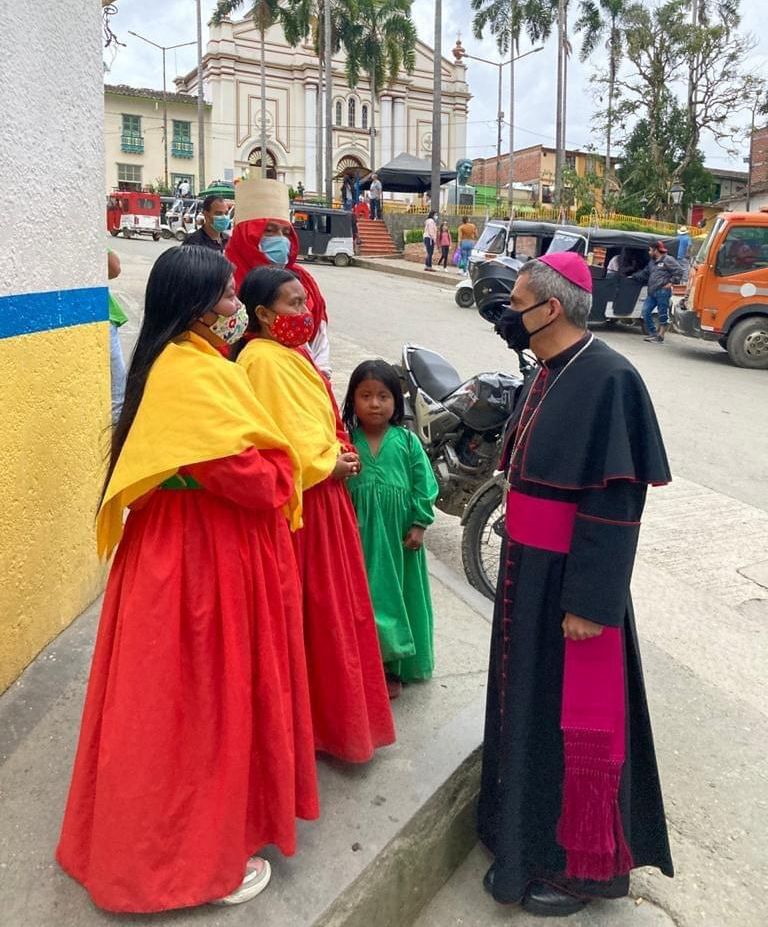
column 183, row 285
column 260, row 288
column 373, row 370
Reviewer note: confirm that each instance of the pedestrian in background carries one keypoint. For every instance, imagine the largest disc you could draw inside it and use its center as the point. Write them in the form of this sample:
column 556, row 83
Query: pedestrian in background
column 196, row 745
column 117, row 318
column 444, row 240
column 570, row 799
column 393, row 494
column 661, row 272
column 212, row 233
column 467, row 237
column 376, row 192
column 348, row 692
column 430, row 238
column 684, row 244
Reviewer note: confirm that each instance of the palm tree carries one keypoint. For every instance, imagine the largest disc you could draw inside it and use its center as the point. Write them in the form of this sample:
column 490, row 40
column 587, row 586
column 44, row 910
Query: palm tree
column 265, row 13
column 380, row 42
column 507, row 20
column 601, row 20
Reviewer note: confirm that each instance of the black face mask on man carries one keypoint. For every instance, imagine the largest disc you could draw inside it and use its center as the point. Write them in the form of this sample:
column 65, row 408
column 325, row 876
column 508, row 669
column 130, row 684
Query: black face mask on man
column 512, row 329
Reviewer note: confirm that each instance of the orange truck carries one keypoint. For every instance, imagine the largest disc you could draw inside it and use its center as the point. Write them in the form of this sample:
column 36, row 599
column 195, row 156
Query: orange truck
column 727, row 297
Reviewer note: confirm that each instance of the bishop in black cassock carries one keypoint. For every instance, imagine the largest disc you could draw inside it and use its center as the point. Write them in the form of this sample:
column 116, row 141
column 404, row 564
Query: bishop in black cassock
column 570, row 799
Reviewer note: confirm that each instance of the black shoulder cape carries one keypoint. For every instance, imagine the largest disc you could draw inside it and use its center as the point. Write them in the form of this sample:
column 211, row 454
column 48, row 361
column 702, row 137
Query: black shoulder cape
column 597, row 424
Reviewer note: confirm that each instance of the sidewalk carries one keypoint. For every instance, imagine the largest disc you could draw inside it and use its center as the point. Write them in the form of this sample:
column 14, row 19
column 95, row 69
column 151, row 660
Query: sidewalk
column 402, row 268
column 405, row 818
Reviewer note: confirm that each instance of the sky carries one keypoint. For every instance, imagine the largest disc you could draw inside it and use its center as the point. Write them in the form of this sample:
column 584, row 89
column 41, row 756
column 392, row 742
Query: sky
column 170, row 22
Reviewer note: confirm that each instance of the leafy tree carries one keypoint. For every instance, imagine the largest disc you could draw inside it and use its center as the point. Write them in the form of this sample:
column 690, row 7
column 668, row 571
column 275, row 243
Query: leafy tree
column 380, row 42
column 659, row 43
column 644, row 181
column 600, row 22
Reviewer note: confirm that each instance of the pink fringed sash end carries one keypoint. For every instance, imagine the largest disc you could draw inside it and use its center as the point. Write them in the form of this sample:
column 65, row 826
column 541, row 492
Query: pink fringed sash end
column 593, row 721
column 590, row 828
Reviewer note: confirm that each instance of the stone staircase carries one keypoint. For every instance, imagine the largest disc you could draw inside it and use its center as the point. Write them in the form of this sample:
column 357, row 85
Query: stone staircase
column 375, row 238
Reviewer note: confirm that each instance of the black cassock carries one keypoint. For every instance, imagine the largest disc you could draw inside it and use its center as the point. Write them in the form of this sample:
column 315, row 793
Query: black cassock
column 586, row 447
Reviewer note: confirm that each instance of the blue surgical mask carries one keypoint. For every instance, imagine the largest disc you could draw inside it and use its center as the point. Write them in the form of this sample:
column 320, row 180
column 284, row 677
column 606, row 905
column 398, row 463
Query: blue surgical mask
column 276, row 248
column 220, row 223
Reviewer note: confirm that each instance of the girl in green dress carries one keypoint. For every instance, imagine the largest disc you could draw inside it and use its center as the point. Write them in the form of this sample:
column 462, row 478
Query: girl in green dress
column 393, row 497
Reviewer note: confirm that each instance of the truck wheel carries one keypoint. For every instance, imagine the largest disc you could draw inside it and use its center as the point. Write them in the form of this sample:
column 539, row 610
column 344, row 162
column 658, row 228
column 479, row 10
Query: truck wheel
column 465, row 298
column 748, row 343
column 481, row 541
column 128, row 233
column 155, row 236
column 341, row 260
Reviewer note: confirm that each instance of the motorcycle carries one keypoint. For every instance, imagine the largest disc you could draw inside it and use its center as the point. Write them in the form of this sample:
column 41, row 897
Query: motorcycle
column 460, row 424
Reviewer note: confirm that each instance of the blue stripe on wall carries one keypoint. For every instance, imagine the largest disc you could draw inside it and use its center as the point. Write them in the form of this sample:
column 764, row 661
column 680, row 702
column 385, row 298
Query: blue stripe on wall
column 26, row 313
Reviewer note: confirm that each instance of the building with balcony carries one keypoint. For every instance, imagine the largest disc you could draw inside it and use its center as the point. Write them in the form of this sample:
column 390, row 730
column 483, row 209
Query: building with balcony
column 402, row 113
column 134, row 137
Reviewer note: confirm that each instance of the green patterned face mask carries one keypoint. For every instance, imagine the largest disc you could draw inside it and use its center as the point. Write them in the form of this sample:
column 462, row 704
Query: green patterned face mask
column 231, row 328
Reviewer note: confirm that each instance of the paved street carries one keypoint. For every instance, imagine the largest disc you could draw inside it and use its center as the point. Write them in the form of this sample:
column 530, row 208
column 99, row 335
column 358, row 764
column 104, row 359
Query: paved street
column 701, row 581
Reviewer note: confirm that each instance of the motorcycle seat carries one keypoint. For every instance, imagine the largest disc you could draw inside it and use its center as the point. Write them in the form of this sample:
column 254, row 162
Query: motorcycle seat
column 433, row 373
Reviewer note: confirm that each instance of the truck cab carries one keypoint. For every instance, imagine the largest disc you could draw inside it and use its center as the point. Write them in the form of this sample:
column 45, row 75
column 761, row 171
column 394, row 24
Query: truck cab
column 727, row 298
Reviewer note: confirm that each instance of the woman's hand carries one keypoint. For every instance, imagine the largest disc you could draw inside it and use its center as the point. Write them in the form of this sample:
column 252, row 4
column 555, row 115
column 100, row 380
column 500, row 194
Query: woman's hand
column 347, row 464
column 414, row 540
column 580, row 629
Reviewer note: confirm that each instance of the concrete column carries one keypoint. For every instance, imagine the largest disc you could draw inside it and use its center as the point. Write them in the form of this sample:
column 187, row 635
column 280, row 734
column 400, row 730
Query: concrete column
column 310, row 137
column 398, row 126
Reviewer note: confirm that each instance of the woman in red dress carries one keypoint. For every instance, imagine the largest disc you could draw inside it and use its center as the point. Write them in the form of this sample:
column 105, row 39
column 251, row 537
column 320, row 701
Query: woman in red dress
column 196, row 744
column 350, row 705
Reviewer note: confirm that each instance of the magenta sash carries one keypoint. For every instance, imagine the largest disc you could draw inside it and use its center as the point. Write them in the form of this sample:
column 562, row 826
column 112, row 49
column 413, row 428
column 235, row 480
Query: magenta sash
column 592, row 718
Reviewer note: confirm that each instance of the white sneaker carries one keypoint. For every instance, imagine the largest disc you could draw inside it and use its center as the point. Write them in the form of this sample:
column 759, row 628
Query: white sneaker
column 258, row 872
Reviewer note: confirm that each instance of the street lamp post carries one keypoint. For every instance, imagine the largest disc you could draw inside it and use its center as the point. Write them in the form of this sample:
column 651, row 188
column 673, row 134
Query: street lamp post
column 164, row 49
column 676, row 192
column 500, row 65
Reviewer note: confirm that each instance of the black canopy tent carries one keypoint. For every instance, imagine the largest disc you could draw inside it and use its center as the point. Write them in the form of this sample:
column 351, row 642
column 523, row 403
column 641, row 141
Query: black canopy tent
column 407, row 174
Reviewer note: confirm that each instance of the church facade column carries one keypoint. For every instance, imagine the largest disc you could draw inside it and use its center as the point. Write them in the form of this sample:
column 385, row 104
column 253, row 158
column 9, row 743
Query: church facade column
column 310, row 137
column 399, row 128
column 385, row 146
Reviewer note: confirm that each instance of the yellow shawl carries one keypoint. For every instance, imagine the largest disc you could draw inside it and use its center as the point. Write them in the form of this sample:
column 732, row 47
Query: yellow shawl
column 294, row 394
column 196, row 406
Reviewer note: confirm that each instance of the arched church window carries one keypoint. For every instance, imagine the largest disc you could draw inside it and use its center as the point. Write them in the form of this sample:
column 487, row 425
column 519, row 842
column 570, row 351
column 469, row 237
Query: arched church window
column 338, row 112
column 364, row 117
column 351, row 113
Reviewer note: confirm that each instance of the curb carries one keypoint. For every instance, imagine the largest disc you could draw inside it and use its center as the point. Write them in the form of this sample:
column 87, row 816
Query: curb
column 436, row 277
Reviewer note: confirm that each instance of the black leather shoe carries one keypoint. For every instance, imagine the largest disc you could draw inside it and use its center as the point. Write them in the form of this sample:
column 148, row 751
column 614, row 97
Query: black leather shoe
column 545, row 900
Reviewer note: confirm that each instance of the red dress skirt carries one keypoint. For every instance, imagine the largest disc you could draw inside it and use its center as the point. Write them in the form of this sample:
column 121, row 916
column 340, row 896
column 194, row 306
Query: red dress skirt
column 196, row 744
column 350, row 706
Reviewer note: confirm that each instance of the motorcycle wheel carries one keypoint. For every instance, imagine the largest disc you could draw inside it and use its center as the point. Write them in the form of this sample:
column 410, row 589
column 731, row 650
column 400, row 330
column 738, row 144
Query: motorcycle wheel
column 481, row 541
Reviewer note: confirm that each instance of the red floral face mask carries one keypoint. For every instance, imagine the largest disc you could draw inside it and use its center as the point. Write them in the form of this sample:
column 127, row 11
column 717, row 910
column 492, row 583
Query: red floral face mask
column 293, row 330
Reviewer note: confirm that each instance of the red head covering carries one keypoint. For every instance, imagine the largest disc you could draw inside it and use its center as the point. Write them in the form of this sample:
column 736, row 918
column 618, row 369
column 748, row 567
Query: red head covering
column 572, row 266
column 660, row 246
column 243, row 251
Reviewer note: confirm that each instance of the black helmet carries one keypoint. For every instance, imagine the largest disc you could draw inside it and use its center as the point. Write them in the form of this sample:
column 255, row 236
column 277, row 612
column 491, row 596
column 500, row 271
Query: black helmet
column 492, row 285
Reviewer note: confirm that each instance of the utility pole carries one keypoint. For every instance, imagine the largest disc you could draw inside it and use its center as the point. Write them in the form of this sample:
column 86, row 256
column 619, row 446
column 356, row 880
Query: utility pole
column 328, row 103
column 163, row 49
column 499, row 122
column 200, row 104
column 437, row 104
column 560, row 116
column 512, row 130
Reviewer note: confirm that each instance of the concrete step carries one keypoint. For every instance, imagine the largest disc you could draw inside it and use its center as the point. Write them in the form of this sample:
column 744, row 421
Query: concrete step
column 391, row 831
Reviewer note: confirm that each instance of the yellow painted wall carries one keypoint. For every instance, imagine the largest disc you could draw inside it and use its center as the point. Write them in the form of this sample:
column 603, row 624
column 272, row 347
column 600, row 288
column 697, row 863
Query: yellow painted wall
column 53, row 435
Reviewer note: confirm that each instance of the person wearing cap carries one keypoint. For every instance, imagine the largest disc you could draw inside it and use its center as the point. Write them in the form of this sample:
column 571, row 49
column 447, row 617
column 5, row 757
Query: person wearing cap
column 570, row 798
column 659, row 275
column 264, row 237
column 684, row 250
